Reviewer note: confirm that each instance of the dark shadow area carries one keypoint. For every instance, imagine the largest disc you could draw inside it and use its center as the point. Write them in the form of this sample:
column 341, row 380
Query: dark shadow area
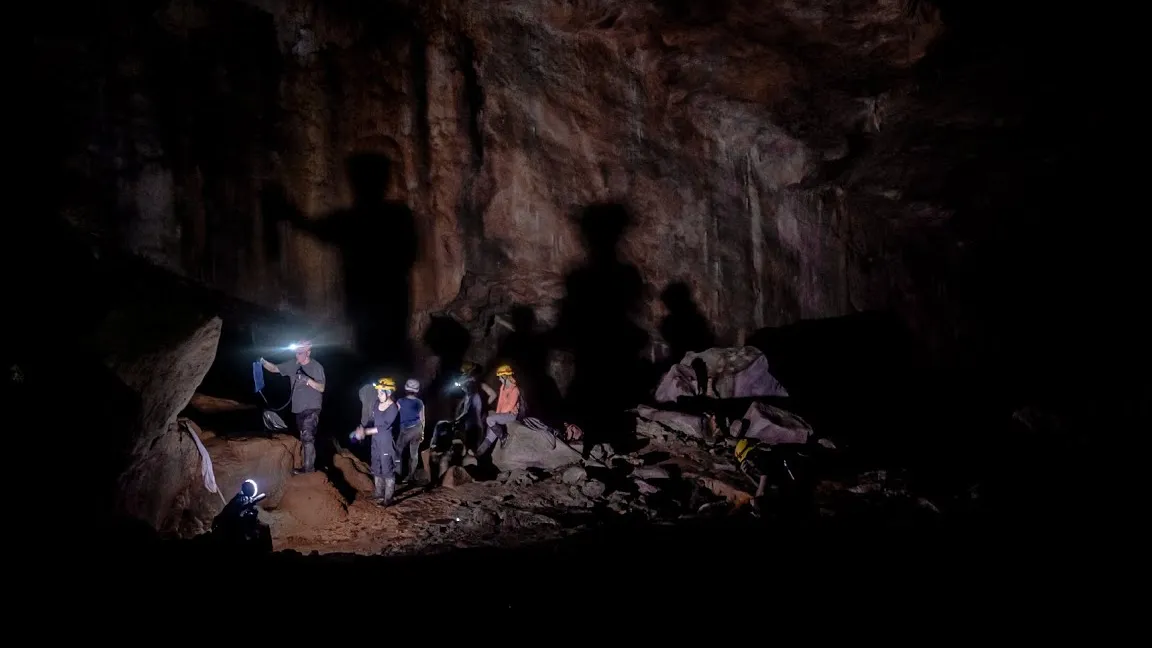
column 684, row 328
column 449, row 341
column 526, row 349
column 596, row 325
column 378, row 245
column 862, row 381
column 849, row 376
column 927, row 569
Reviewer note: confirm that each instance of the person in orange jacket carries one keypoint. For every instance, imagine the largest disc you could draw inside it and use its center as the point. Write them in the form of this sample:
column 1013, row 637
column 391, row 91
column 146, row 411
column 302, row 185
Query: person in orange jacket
column 510, row 407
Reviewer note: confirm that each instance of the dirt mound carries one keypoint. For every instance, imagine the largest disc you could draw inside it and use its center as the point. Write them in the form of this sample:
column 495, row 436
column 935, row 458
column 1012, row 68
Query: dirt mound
column 266, row 460
column 355, row 472
column 310, row 504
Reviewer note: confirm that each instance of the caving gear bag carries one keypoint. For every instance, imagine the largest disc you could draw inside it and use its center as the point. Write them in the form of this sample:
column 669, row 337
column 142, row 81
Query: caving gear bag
column 272, row 420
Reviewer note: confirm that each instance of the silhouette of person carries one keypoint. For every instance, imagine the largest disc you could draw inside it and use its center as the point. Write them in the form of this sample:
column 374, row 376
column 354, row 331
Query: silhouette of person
column 684, row 328
column 378, row 243
column 596, row 325
column 527, row 350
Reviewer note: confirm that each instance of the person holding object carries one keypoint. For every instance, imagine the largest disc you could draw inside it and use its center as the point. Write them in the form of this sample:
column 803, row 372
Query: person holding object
column 307, row 379
column 382, row 428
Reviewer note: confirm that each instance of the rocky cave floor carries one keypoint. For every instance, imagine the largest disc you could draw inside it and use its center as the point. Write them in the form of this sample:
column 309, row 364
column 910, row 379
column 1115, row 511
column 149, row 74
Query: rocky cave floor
column 670, row 480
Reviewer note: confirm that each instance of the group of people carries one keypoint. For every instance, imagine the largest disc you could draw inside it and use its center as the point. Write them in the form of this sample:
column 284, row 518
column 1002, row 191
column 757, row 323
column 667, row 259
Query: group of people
column 395, row 424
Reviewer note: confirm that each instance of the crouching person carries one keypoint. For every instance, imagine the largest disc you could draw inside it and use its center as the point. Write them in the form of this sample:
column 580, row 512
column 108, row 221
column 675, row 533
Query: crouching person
column 509, row 407
column 382, row 429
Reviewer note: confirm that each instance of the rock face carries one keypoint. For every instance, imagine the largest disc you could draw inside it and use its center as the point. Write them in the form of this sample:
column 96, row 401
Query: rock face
column 527, row 448
column 266, row 460
column 785, row 160
column 161, row 354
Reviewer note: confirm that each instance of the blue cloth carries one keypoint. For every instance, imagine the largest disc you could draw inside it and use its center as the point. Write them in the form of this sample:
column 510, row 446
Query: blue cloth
column 410, row 409
column 258, row 375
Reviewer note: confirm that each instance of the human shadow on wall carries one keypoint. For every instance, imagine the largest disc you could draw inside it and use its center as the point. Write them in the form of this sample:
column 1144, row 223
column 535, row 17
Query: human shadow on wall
column 684, row 328
column 526, row 349
column 449, row 341
column 378, row 244
column 596, row 325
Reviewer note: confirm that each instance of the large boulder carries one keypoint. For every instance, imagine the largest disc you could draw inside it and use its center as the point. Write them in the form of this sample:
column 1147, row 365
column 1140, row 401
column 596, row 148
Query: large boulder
column 737, row 372
column 266, row 460
column 527, row 448
column 692, row 425
column 161, row 353
column 774, row 426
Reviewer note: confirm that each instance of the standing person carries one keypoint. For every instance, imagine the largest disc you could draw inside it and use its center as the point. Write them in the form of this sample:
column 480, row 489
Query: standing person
column 510, row 407
column 307, row 379
column 412, row 423
column 382, row 428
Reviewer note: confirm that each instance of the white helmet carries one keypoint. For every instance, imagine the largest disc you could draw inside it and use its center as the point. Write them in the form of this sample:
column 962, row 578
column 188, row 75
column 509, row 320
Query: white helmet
column 412, row 385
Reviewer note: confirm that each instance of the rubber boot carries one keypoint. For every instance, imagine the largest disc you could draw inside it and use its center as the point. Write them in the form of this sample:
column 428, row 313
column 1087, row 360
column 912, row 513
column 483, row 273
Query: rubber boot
column 389, row 490
column 308, row 452
column 486, row 444
column 379, row 489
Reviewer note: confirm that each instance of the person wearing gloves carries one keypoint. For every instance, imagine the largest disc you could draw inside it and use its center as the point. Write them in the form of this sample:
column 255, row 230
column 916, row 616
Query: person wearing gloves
column 382, row 428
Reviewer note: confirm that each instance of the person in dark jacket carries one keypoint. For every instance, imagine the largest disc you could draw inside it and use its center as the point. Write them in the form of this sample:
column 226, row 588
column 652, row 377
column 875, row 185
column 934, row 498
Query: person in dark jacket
column 382, row 429
column 470, row 408
column 411, row 427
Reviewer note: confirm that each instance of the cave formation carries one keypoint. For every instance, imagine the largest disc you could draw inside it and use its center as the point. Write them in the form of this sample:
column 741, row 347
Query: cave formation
column 910, row 206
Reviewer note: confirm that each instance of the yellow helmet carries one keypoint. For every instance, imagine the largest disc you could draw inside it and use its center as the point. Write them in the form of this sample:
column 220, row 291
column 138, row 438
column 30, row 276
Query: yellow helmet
column 385, row 383
column 467, row 368
column 503, row 370
column 742, row 448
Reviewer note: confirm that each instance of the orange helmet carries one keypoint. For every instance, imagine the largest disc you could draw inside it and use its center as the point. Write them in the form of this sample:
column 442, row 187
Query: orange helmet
column 504, row 370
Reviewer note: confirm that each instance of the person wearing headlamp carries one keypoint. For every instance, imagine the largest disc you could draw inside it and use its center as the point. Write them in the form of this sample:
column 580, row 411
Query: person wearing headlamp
column 382, row 428
column 510, row 406
column 307, row 379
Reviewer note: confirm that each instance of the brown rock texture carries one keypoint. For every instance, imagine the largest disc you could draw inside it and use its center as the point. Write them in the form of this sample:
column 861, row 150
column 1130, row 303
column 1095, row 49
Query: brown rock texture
column 787, row 160
column 266, row 460
column 161, row 356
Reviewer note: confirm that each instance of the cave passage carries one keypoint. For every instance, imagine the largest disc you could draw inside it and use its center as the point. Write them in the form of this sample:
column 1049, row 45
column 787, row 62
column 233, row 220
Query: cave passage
column 790, row 294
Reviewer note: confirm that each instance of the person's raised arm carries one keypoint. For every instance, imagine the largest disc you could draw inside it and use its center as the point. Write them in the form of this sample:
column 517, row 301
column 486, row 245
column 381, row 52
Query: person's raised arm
column 489, row 391
column 271, row 368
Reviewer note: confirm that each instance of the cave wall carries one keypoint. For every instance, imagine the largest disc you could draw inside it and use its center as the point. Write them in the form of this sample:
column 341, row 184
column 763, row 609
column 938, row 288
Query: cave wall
column 181, row 115
column 788, row 160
